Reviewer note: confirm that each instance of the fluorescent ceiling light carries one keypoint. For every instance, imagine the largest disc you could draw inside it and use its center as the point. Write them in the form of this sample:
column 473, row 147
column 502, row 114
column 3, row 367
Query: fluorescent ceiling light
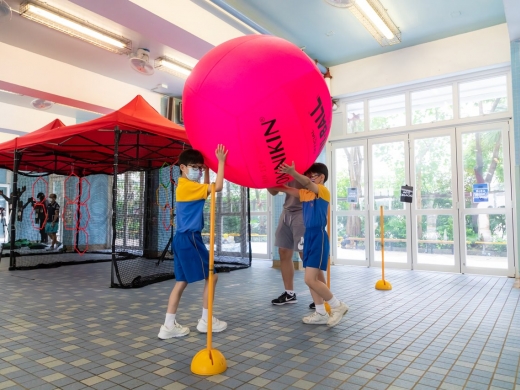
column 54, row 18
column 172, row 66
column 376, row 20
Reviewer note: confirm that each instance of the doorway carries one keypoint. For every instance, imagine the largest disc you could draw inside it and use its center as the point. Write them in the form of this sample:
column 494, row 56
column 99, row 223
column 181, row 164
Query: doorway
column 461, row 213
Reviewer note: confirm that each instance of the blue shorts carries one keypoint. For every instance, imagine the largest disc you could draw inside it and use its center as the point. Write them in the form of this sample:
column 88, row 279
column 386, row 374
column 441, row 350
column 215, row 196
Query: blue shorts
column 50, row 228
column 316, row 248
column 190, row 257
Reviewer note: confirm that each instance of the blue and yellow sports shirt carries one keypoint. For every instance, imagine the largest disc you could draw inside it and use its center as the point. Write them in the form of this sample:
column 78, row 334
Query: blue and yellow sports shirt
column 190, row 197
column 315, row 207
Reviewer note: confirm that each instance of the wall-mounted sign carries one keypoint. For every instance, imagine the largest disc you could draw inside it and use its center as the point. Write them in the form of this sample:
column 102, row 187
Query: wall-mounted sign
column 406, row 194
column 352, row 196
column 480, row 192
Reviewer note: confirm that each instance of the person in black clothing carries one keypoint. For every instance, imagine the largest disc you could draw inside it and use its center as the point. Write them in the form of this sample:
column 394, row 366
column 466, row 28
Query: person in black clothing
column 53, row 215
column 39, row 211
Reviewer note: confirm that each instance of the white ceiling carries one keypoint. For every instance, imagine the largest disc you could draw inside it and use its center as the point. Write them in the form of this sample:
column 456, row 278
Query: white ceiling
column 187, row 29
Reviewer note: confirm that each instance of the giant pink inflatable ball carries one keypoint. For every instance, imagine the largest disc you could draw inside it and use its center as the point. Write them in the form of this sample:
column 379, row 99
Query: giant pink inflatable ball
column 265, row 100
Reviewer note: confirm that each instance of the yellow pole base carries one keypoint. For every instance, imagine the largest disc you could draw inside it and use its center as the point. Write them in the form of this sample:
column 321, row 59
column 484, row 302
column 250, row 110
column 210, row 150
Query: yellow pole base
column 206, row 363
column 327, row 307
column 383, row 285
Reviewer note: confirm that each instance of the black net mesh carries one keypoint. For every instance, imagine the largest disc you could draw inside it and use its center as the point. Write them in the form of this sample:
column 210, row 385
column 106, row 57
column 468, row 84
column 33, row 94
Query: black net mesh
column 232, row 249
column 82, row 235
column 145, row 226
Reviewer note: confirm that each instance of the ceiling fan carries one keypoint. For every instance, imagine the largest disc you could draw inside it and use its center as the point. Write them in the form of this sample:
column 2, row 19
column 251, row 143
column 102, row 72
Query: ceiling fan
column 42, row 104
column 140, row 62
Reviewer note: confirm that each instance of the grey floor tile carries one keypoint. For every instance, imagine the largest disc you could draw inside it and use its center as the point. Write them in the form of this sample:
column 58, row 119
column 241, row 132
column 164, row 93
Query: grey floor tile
column 375, row 346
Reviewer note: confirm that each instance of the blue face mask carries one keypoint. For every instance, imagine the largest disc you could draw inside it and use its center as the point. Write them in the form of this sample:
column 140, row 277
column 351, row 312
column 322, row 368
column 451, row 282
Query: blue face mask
column 194, row 174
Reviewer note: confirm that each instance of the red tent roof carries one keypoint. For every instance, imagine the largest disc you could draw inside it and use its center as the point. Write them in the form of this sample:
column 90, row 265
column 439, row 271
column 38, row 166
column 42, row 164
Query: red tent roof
column 8, row 145
column 7, row 148
column 147, row 140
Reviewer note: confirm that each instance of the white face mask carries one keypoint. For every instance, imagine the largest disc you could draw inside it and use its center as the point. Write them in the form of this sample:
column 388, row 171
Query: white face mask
column 194, row 174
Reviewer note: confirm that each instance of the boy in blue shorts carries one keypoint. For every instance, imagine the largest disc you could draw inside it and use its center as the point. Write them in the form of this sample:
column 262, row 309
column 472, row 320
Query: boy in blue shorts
column 315, row 198
column 190, row 256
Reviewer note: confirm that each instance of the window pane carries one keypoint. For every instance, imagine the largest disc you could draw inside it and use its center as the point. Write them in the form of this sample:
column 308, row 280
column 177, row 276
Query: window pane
column 486, row 241
column 351, row 238
column 483, row 97
column 350, row 178
column 433, row 176
column 388, row 175
column 258, row 199
column 387, row 112
column 432, row 105
column 435, row 244
column 395, row 239
column 483, row 162
column 258, row 234
column 355, row 118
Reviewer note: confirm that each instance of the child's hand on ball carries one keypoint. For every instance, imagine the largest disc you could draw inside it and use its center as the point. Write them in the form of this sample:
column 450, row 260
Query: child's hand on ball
column 289, row 169
column 221, row 153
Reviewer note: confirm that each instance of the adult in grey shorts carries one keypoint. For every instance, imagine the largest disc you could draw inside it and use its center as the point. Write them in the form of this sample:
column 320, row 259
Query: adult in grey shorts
column 288, row 239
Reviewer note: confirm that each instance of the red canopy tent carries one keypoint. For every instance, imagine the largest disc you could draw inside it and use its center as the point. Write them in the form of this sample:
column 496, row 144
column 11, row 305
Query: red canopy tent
column 137, row 134
column 8, row 147
column 134, row 138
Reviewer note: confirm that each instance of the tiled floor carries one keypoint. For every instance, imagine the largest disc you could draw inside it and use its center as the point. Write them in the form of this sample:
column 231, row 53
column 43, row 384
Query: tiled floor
column 64, row 328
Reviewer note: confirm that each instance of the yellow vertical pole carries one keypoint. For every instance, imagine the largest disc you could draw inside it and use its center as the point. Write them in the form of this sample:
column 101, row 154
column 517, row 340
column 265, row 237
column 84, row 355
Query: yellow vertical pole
column 211, row 286
column 382, row 284
column 210, row 361
column 327, row 306
column 328, row 265
column 382, row 224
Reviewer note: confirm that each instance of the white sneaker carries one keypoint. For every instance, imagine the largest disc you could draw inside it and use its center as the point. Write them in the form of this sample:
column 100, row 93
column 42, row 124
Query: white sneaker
column 316, row 319
column 177, row 331
column 217, row 325
column 337, row 314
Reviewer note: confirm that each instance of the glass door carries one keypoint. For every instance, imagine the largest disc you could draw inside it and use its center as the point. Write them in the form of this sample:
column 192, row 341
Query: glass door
column 435, row 238
column 349, row 204
column 388, row 171
column 461, row 216
column 486, row 205
column 259, row 205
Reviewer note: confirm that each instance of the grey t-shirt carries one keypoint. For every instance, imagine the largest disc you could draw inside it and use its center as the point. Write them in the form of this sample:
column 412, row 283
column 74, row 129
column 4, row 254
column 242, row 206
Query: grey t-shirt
column 291, row 203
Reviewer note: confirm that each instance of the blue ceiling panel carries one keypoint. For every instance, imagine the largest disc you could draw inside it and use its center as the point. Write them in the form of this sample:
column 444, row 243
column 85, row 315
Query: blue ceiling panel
column 334, row 36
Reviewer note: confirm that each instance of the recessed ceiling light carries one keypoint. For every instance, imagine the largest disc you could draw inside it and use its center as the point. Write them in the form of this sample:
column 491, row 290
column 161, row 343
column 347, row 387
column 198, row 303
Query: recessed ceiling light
column 330, row 33
column 455, row 14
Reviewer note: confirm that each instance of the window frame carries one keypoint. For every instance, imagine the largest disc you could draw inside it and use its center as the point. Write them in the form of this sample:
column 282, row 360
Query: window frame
column 407, row 90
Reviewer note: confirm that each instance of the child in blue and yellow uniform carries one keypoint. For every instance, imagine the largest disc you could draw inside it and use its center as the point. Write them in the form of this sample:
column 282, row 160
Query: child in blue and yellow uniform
column 315, row 198
column 190, row 256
